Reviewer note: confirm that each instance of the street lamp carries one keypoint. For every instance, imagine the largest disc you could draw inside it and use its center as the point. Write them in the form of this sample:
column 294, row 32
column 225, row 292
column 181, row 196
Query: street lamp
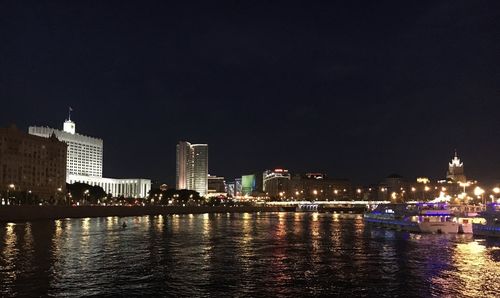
column 11, row 187
column 496, row 190
column 58, row 194
column 85, row 195
column 393, row 196
column 478, row 191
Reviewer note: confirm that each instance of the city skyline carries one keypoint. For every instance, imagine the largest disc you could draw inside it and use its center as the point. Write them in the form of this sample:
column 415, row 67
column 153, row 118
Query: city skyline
column 250, row 148
column 443, row 175
column 355, row 93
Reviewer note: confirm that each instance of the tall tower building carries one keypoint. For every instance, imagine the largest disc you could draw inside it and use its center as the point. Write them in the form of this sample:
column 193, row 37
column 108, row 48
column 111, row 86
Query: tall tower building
column 183, row 165
column 456, row 170
column 200, row 169
column 192, row 167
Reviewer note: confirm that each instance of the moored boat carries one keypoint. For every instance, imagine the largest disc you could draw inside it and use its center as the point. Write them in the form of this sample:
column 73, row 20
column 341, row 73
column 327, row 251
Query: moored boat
column 420, row 217
column 436, row 218
column 395, row 216
column 466, row 216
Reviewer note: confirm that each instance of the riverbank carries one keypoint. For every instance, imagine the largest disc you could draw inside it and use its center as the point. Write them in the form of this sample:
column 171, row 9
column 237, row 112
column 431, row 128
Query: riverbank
column 31, row 213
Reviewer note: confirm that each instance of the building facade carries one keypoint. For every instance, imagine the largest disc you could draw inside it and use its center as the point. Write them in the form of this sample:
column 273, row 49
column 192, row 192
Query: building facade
column 230, row 186
column 85, row 162
column 192, row 167
column 183, row 167
column 32, row 165
column 200, row 169
column 276, row 182
column 216, row 184
column 238, row 187
column 85, row 153
column 127, row 188
column 248, row 184
column 317, row 186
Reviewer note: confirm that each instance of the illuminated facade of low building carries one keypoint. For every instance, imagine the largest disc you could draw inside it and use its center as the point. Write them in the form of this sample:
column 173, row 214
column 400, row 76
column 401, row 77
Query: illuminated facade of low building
column 127, row 188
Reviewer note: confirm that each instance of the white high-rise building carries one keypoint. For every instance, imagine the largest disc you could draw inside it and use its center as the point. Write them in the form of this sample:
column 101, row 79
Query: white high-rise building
column 84, row 153
column 192, row 167
column 84, row 162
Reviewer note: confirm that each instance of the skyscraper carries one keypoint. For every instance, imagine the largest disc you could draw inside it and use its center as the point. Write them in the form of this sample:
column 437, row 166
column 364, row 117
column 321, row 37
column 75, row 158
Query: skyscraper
column 192, row 167
column 182, row 165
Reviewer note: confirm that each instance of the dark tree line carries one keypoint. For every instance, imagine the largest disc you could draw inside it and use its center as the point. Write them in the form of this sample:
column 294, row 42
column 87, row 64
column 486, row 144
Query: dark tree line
column 85, row 193
column 175, row 197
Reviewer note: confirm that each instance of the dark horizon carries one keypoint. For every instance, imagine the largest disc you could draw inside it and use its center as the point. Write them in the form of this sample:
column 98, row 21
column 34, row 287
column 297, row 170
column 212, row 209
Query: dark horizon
column 354, row 91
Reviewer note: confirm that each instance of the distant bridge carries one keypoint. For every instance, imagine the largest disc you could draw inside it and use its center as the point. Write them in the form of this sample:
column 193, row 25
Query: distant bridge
column 332, row 203
column 330, row 206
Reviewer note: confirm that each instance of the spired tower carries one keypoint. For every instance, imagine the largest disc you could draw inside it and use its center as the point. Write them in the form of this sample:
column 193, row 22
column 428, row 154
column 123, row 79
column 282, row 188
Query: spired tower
column 456, row 170
column 69, row 126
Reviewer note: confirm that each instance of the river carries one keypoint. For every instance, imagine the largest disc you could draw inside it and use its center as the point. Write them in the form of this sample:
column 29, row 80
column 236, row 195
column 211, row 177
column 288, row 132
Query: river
column 247, row 254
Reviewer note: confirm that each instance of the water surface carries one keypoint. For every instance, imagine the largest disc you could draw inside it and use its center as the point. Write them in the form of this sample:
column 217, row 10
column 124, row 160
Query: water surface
column 260, row 254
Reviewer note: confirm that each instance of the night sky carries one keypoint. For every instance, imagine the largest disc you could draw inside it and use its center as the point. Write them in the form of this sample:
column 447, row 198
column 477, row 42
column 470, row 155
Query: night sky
column 354, row 89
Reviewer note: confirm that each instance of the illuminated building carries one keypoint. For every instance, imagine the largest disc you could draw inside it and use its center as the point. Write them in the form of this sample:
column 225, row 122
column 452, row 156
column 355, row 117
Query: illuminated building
column 85, row 162
column 276, row 182
column 216, row 184
column 128, row 188
column 237, row 187
column 32, row 165
column 183, row 154
column 315, row 175
column 248, row 185
column 317, row 186
column 230, row 189
column 84, row 153
column 393, row 185
column 192, row 167
column 456, row 170
column 251, row 185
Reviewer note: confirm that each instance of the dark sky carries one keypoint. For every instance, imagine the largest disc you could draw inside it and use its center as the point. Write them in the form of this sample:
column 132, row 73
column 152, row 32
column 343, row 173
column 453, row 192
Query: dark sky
column 354, row 89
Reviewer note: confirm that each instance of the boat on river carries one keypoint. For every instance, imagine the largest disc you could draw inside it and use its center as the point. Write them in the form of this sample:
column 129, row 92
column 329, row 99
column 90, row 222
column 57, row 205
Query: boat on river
column 491, row 226
column 466, row 216
column 419, row 217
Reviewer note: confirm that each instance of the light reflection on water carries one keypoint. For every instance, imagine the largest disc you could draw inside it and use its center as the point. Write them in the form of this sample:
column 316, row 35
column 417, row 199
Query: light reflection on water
column 249, row 254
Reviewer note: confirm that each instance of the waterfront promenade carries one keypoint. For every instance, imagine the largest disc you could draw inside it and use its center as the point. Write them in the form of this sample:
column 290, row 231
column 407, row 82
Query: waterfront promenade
column 30, row 213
